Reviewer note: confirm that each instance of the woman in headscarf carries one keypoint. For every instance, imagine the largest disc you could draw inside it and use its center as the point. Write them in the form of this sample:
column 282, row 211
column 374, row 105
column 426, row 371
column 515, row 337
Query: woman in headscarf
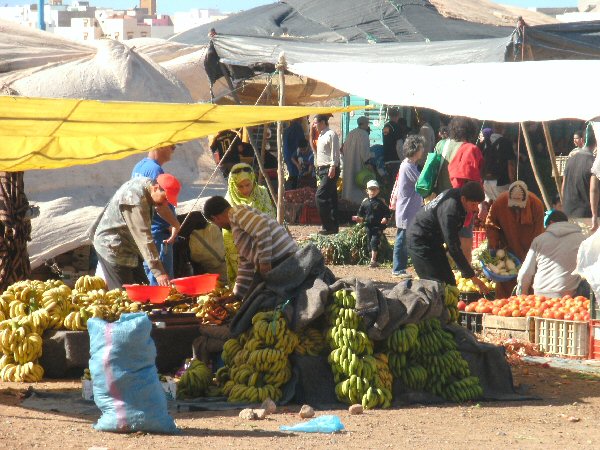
column 243, row 189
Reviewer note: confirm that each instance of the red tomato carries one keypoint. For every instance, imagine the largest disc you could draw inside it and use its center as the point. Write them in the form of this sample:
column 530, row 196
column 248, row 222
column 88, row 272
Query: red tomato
column 577, row 316
column 461, row 305
column 559, row 315
column 569, row 316
column 516, row 313
column 548, row 314
column 471, row 307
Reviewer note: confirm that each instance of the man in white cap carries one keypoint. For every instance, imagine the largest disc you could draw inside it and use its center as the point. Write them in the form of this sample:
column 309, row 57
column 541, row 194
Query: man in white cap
column 374, row 213
column 515, row 219
column 355, row 153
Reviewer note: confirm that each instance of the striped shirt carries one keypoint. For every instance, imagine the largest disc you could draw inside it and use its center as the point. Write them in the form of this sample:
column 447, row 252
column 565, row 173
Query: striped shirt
column 259, row 240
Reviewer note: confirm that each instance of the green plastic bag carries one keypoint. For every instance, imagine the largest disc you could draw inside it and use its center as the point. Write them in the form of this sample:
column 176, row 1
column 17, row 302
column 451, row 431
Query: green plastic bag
column 428, row 177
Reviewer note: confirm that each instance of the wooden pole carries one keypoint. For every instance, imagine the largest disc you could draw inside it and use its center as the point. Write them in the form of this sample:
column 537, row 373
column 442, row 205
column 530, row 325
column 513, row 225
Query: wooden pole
column 534, row 165
column 281, row 67
column 557, row 177
column 263, row 145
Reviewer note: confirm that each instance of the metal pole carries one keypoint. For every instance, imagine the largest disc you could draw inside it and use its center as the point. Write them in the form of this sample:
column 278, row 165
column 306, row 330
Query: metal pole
column 281, row 67
column 41, row 20
column 534, row 165
column 557, row 176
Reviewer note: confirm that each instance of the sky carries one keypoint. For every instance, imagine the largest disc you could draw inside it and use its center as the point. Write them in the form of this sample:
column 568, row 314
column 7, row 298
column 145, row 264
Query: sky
column 171, row 6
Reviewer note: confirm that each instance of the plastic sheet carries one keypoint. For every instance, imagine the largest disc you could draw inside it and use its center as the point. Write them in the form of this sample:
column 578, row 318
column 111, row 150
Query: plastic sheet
column 323, row 424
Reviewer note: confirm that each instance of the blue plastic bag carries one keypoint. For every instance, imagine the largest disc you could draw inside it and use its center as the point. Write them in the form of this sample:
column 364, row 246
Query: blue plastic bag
column 125, row 380
column 323, row 424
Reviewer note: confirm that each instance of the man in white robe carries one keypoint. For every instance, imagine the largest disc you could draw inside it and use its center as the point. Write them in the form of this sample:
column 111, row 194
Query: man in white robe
column 355, row 153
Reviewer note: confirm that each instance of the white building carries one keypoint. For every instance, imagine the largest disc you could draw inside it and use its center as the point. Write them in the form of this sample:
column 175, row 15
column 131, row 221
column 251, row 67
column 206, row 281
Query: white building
column 195, row 17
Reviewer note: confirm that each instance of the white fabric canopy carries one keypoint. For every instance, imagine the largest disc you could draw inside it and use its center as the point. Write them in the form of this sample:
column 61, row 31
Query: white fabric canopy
column 504, row 92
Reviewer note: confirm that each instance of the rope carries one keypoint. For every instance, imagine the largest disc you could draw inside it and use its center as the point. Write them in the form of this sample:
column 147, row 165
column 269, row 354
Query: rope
column 219, row 164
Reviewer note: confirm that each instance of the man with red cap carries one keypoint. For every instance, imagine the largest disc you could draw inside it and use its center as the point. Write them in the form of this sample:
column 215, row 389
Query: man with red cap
column 122, row 233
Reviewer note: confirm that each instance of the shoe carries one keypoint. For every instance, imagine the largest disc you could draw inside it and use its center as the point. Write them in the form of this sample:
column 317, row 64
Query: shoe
column 401, row 275
column 326, row 232
column 374, row 264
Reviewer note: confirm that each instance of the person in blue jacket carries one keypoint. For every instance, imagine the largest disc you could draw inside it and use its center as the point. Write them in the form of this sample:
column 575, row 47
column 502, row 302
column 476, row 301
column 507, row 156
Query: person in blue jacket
column 292, row 136
column 164, row 231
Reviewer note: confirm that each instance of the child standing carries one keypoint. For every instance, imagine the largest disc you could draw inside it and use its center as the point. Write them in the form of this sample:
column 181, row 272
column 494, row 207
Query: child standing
column 375, row 214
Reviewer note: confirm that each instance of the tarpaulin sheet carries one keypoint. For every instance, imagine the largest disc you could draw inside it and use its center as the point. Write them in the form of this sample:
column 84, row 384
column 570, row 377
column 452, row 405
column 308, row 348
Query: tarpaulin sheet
column 42, row 133
column 346, row 21
column 504, row 92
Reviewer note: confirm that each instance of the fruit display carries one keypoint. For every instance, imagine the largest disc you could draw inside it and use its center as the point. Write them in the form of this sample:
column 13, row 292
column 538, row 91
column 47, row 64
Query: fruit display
column 355, row 369
column 216, row 307
column 565, row 308
column 312, row 342
column 194, row 381
column 257, row 363
column 21, row 345
column 465, row 285
column 425, row 357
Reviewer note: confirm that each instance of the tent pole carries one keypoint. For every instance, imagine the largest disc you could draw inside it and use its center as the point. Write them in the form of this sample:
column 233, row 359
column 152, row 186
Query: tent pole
column 281, row 67
column 263, row 145
column 552, row 158
column 534, row 165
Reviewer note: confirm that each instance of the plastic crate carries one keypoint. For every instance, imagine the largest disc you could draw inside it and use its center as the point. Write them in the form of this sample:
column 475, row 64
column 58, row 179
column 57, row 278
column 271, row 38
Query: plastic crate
column 478, row 237
column 594, row 339
column 310, row 216
column 562, row 337
column 471, row 321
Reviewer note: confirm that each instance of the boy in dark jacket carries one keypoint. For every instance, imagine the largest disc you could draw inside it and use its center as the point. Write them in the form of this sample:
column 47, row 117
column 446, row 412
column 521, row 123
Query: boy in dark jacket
column 375, row 214
column 438, row 223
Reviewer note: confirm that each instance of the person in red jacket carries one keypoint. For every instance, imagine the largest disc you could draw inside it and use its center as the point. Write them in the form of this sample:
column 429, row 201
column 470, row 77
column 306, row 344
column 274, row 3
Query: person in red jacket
column 467, row 165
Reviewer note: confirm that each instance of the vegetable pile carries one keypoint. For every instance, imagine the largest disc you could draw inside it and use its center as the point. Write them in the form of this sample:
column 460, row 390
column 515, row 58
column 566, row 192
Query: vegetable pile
column 501, row 263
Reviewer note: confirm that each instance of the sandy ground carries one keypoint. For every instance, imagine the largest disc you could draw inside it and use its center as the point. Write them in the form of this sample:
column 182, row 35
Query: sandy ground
column 566, row 416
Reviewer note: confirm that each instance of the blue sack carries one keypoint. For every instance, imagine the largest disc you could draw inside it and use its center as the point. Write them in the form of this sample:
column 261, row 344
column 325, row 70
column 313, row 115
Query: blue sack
column 322, row 424
column 125, row 380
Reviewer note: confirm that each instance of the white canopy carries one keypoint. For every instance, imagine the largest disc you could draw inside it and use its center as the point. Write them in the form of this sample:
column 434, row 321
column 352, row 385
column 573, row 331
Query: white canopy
column 500, row 91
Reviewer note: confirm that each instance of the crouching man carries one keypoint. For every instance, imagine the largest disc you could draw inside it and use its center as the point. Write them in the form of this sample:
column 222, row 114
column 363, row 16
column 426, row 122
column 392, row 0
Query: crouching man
column 261, row 242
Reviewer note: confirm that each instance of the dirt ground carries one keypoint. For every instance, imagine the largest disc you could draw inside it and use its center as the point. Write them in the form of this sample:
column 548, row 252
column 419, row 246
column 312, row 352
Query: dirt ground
column 567, row 415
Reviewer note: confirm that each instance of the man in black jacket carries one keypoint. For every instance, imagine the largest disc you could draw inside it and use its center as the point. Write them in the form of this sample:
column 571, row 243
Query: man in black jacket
column 438, row 223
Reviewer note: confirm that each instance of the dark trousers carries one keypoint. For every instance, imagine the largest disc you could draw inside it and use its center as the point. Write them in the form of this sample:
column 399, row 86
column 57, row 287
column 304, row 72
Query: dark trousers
column 117, row 276
column 431, row 263
column 327, row 200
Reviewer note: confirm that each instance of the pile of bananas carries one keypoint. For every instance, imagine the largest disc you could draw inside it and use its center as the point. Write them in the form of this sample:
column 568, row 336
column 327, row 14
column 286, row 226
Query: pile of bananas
column 256, row 364
column 22, row 346
column 425, row 357
column 352, row 361
column 87, row 283
column 194, row 382
column 451, row 302
column 449, row 374
column 311, row 342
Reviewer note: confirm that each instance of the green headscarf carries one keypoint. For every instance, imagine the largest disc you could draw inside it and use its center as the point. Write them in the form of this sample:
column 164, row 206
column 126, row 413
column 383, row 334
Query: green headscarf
column 259, row 197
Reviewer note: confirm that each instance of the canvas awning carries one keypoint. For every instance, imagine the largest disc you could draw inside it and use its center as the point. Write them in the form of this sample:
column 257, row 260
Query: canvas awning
column 42, row 133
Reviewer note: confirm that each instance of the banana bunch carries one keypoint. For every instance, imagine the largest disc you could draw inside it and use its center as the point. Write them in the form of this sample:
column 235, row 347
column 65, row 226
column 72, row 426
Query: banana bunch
column 311, row 342
column 403, row 339
column 344, row 299
column 77, row 320
column 414, row 376
column 352, row 362
column 21, row 297
column 88, row 283
column 256, row 363
column 355, row 340
column 194, row 381
column 463, row 390
column 29, row 372
column 446, row 368
column 359, row 390
column 57, row 303
column 19, row 341
column 451, row 302
column 383, row 376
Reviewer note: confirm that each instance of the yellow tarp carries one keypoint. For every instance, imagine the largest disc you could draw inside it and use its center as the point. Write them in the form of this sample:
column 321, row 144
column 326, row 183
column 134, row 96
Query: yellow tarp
column 39, row 133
